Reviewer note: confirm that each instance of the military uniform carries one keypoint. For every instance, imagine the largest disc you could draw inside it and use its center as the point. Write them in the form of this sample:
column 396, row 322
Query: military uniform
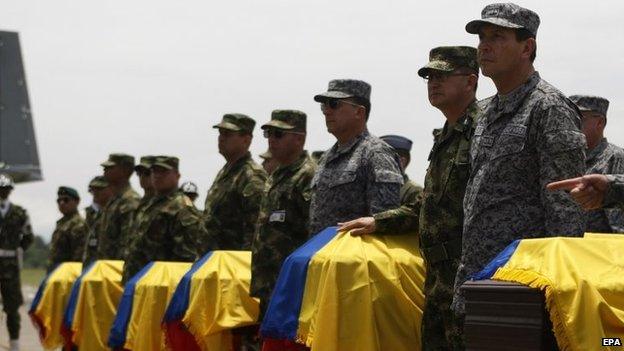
column 523, row 141
column 615, row 194
column 169, row 230
column 233, row 201
column 284, row 213
column 116, row 230
column 15, row 233
column 93, row 220
column 69, row 236
column 357, row 179
column 438, row 213
column 604, row 158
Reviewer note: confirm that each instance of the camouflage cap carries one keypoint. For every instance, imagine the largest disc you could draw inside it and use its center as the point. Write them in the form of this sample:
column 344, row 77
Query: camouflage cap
column 591, row 103
column 450, row 58
column 506, row 15
column 168, row 162
column 292, row 120
column 98, row 182
column 266, row 155
column 118, row 159
column 345, row 88
column 145, row 163
column 398, row 142
column 67, row 191
column 237, row 122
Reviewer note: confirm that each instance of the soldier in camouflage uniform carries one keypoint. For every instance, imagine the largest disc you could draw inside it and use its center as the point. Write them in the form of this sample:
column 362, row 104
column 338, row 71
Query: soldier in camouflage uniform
column 602, row 158
column 410, row 191
column 284, row 213
column 171, row 227
column 437, row 215
column 102, row 194
column 360, row 175
column 69, row 237
column 116, row 231
column 15, row 233
column 233, row 201
column 268, row 162
column 528, row 135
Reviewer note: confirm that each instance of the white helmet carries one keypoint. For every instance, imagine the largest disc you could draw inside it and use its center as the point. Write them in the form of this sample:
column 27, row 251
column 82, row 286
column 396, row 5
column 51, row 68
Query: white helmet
column 189, row 188
column 6, row 181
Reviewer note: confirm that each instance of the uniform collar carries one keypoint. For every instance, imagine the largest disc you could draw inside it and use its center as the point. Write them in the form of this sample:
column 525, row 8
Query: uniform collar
column 295, row 166
column 238, row 164
column 510, row 102
column 338, row 150
column 598, row 150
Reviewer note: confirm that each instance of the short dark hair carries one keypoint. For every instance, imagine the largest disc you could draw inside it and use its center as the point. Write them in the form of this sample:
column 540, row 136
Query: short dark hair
column 523, row 34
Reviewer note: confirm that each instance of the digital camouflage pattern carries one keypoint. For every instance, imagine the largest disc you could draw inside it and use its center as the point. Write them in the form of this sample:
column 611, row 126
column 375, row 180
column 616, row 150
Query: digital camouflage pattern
column 116, row 230
column 282, row 224
column 615, row 194
column 345, row 88
column 355, row 180
column 15, row 232
column 591, row 103
column 68, row 240
column 605, row 158
column 232, row 205
column 450, row 58
column 169, row 230
column 506, row 15
column 523, row 141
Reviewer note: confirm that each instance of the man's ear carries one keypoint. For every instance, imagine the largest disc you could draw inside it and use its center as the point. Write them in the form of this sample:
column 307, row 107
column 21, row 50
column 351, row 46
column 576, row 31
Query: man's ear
column 530, row 45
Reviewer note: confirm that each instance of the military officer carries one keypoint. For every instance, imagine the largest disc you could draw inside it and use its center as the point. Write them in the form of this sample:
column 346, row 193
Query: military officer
column 602, row 158
column 233, row 201
column 284, row 213
column 102, row 194
column 116, row 231
column 268, row 162
column 15, row 233
column 171, row 228
column 437, row 215
column 529, row 135
column 360, row 174
column 69, row 237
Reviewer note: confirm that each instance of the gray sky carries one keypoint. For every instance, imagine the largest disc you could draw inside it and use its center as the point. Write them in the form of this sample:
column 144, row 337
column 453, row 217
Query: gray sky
column 152, row 77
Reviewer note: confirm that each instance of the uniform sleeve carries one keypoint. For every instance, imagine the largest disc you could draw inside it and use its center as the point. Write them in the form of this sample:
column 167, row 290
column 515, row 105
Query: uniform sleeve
column 303, row 201
column 79, row 235
column 401, row 220
column 615, row 194
column 384, row 182
column 126, row 224
column 251, row 199
column 26, row 235
column 561, row 155
column 188, row 231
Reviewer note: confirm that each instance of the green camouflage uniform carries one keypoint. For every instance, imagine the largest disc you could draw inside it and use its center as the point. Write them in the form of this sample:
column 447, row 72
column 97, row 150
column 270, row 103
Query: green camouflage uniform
column 93, row 219
column 169, row 230
column 284, row 213
column 410, row 191
column 68, row 240
column 15, row 232
column 116, row 226
column 233, row 200
column 91, row 213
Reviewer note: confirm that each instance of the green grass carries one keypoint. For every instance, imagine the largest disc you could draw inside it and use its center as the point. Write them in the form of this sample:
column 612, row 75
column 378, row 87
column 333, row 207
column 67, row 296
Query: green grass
column 32, row 276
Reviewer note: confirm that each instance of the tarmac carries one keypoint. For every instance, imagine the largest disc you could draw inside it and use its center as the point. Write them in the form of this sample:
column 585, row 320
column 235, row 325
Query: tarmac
column 29, row 337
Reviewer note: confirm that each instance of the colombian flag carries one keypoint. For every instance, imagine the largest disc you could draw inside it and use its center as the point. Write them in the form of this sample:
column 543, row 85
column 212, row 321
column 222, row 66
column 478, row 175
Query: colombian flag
column 211, row 299
column 582, row 279
column 92, row 306
column 339, row 292
column 46, row 310
column 142, row 306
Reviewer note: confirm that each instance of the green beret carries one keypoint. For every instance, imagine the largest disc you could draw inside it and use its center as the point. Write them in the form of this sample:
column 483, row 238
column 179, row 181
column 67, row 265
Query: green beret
column 67, row 191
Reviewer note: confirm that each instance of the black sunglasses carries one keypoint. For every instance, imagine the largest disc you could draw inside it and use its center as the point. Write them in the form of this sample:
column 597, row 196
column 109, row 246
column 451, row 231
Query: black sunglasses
column 278, row 133
column 63, row 199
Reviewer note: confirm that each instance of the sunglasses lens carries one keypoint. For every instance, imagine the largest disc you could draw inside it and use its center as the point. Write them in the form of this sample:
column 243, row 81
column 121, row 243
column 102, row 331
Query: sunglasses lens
column 276, row 133
column 333, row 103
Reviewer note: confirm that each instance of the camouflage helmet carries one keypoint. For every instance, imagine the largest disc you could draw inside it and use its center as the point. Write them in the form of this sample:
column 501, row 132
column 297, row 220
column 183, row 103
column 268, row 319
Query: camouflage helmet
column 6, row 181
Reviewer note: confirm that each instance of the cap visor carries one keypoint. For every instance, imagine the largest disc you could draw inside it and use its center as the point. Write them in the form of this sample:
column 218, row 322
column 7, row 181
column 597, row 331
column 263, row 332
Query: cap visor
column 473, row 26
column 141, row 166
column 108, row 164
column 278, row 125
column 441, row 66
column 331, row 95
column 228, row 126
column 162, row 165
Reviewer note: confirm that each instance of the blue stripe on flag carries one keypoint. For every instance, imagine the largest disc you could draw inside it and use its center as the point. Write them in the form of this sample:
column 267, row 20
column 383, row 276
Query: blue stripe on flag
column 117, row 337
column 68, row 317
column 180, row 300
column 39, row 294
column 282, row 317
column 497, row 262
